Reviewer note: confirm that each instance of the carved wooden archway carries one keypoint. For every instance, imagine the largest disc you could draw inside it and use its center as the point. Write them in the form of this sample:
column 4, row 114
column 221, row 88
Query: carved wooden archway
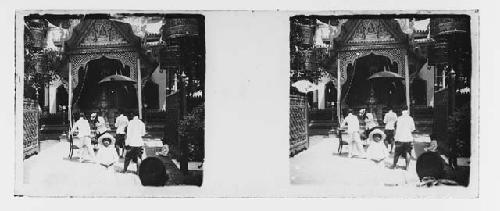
column 128, row 58
column 349, row 57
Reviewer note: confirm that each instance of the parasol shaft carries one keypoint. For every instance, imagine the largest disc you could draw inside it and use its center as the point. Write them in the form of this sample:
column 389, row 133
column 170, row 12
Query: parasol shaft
column 407, row 83
column 139, row 88
column 338, row 91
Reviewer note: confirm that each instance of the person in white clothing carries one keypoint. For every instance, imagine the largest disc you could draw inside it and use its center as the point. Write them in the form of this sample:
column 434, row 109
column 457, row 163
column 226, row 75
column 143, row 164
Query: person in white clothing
column 404, row 138
column 390, row 120
column 121, row 124
column 377, row 152
column 106, row 156
column 101, row 125
column 355, row 146
column 370, row 124
column 98, row 126
column 136, row 129
column 82, row 126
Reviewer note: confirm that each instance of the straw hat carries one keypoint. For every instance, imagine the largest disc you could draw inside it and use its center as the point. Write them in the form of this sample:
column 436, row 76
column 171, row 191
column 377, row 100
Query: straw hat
column 106, row 135
column 377, row 131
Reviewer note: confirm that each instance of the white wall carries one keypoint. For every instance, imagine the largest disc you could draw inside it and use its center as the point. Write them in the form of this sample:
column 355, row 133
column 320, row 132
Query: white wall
column 321, row 96
column 427, row 73
column 53, row 95
column 46, row 96
column 159, row 77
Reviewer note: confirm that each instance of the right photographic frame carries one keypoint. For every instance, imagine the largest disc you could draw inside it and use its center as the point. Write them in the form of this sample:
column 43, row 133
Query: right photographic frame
column 384, row 100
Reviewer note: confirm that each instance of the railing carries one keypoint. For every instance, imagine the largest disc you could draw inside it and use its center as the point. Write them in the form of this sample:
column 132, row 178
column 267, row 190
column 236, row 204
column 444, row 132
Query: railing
column 31, row 114
column 299, row 137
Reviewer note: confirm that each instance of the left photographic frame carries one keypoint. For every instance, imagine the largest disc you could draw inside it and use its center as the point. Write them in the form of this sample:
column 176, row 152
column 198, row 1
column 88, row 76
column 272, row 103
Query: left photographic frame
column 108, row 103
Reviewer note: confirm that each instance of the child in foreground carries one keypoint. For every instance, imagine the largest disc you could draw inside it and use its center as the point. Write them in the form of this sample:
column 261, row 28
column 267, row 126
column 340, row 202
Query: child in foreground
column 107, row 156
column 377, row 150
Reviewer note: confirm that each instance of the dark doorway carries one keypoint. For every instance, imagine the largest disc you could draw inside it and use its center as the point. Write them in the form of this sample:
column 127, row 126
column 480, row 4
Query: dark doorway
column 93, row 96
column 61, row 97
column 358, row 87
column 150, row 93
column 418, row 91
column 330, row 94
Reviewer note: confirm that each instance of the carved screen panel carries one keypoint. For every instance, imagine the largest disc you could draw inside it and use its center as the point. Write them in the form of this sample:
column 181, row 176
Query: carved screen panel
column 102, row 33
column 349, row 57
column 126, row 58
column 371, row 31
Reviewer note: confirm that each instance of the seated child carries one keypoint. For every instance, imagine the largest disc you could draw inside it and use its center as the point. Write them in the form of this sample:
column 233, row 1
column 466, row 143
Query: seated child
column 377, row 150
column 107, row 156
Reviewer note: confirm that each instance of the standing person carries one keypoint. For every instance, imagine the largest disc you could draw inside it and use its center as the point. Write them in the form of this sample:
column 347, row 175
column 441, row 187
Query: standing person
column 354, row 141
column 390, row 120
column 82, row 126
column 370, row 124
column 121, row 124
column 100, row 125
column 136, row 129
column 93, row 128
column 404, row 138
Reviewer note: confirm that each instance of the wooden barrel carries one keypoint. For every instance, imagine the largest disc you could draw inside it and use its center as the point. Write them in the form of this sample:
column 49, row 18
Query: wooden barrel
column 180, row 27
column 306, row 34
column 37, row 30
column 308, row 59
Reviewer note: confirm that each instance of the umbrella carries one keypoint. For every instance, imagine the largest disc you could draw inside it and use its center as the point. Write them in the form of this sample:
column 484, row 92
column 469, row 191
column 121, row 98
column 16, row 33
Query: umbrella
column 305, row 86
column 117, row 79
column 386, row 75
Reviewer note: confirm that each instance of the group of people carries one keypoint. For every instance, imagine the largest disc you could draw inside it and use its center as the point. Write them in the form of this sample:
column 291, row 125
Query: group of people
column 128, row 142
column 397, row 132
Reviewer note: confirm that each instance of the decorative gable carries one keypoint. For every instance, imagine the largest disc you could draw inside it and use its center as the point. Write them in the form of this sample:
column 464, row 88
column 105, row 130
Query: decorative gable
column 370, row 30
column 102, row 33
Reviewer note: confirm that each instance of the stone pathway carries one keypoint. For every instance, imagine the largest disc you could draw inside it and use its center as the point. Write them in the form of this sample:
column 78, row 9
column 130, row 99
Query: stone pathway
column 321, row 164
column 52, row 167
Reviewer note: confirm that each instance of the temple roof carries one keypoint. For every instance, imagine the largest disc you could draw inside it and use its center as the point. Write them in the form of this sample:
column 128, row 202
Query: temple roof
column 87, row 27
column 371, row 31
column 103, row 35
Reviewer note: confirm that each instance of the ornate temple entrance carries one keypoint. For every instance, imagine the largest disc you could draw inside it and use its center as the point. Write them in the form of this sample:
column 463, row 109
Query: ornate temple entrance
column 357, row 89
column 99, row 48
column 90, row 95
column 365, row 47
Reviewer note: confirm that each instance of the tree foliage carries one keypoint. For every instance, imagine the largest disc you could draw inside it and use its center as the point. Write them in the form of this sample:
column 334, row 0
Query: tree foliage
column 40, row 64
column 459, row 128
column 306, row 61
column 192, row 130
